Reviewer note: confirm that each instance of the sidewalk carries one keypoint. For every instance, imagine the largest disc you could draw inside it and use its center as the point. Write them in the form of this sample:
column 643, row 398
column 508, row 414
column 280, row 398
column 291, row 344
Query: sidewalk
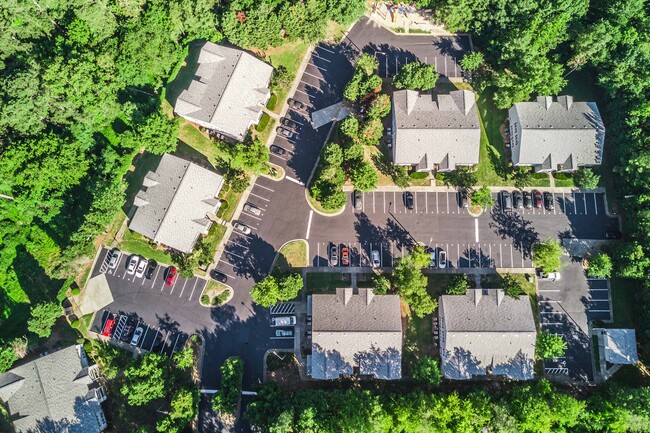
column 444, row 188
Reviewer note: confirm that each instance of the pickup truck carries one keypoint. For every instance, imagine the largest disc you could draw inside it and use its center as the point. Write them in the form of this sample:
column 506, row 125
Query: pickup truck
column 283, row 321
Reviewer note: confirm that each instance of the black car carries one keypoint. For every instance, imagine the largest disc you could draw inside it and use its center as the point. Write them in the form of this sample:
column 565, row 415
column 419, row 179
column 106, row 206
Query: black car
column 151, row 268
column 408, row 199
column 518, row 199
column 218, row 276
column 528, row 200
column 289, row 123
column 358, row 200
column 507, row 200
column 296, row 104
column 277, row 150
column 462, row 199
column 548, row 201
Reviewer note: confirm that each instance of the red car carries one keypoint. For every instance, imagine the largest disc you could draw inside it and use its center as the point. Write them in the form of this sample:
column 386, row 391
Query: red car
column 108, row 327
column 171, row 276
column 345, row 256
column 537, row 199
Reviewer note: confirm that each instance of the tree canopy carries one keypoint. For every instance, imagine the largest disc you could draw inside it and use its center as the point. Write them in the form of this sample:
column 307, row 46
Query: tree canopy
column 547, row 255
column 416, row 76
column 411, row 284
column 146, row 380
column 550, row 345
column 272, row 290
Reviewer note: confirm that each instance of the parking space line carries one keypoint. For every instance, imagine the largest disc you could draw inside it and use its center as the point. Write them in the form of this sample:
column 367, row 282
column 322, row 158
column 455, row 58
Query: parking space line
column 144, row 337
column 235, row 243
column 447, row 195
column 262, row 186
column 251, row 216
column 175, row 343
column 384, row 201
column 154, row 341
column 225, row 262
column 500, row 255
column 373, row 202
column 183, row 289
column 512, row 260
column 162, row 347
column 315, row 54
column 584, row 200
column 304, row 93
column 233, row 254
column 311, row 85
column 549, row 290
column 426, row 202
column 174, row 286
column 415, row 202
column 317, row 67
column 521, row 249
column 315, row 76
column 193, row 288
column 325, row 49
column 437, row 211
column 553, row 194
column 595, row 204
column 563, row 203
column 255, row 195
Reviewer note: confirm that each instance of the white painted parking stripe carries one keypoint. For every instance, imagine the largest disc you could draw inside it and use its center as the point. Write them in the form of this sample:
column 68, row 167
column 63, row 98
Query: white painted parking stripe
column 144, row 337
column 550, row 301
column 315, row 54
column 447, row 195
column 312, row 75
column 174, row 285
column 155, row 277
column 233, row 254
column 193, row 288
column 262, row 186
column 294, row 180
column 162, row 347
column 154, row 341
column 500, row 255
column 250, row 215
column 598, row 311
column 318, row 67
column 595, row 204
column 512, row 260
column 183, row 289
column 175, row 343
column 437, row 211
column 281, row 338
column 598, row 290
column 549, row 290
column 225, row 262
column 584, row 200
column 476, row 229
column 304, row 93
column 384, row 201
column 260, row 197
column 320, row 47
column 426, row 202
column 373, row 202
column 311, row 214
column 313, row 86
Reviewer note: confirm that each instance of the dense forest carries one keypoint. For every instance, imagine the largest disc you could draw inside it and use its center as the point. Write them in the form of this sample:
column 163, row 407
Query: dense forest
column 81, row 84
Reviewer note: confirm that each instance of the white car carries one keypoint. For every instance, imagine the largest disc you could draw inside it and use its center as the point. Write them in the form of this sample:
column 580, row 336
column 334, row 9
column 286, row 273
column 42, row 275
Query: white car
column 242, row 228
column 133, row 264
column 551, row 276
column 283, row 321
column 375, row 259
column 136, row 335
column 284, row 332
column 442, row 259
column 252, row 209
column 114, row 258
column 142, row 266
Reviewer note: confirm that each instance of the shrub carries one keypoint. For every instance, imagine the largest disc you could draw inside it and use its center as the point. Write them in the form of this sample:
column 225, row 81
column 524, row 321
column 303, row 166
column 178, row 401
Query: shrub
column 75, row 291
column 226, row 399
column 427, row 371
column 458, row 285
column 600, row 266
column 263, row 123
column 205, row 299
column 74, row 324
column 273, row 100
column 419, row 175
column 549, row 345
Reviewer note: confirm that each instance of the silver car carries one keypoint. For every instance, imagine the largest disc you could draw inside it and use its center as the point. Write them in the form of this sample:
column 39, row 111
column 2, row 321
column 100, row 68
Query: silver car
column 114, row 258
column 142, row 266
column 442, row 259
column 136, row 335
column 242, row 228
column 252, row 209
column 375, row 259
column 133, row 264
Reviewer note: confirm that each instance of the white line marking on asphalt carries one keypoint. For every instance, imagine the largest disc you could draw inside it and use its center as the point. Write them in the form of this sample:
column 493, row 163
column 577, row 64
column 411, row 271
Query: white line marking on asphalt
column 227, row 263
column 144, row 337
column 251, row 216
column 163, row 342
column 311, row 214
column 550, row 301
column 426, row 202
column 437, row 211
column 458, row 254
column 183, row 289
column 259, row 196
column 262, row 186
column 598, row 290
column 490, row 247
column 384, row 201
column 175, row 343
column 154, row 341
column 584, row 200
column 549, row 290
column 174, row 285
column 500, row 255
column 563, row 203
column 311, row 85
column 315, row 76
column 193, row 288
column 446, row 66
column 415, row 202
column 303, row 92
column 447, row 195
column 318, row 67
column 281, row 338
column 294, row 180
column 325, row 49
column 315, row 54
column 598, row 311
column 553, row 203
column 476, row 229
column 512, row 260
column 155, row 277
column 232, row 254
column 595, row 204
column 521, row 248
column 318, row 255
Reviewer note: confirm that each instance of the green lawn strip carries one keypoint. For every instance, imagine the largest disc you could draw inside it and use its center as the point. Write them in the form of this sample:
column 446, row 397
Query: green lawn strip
column 418, row 340
column 264, row 121
column 292, row 255
column 594, row 344
column 134, row 243
column 491, row 167
column 263, row 135
column 316, row 204
column 326, row 282
column 624, row 302
column 209, row 294
column 290, row 56
column 227, row 209
column 563, row 180
column 215, row 236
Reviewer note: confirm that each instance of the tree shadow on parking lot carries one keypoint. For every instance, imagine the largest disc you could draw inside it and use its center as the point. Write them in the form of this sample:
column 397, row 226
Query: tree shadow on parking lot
column 396, row 232
column 251, row 256
column 476, row 258
column 514, row 226
column 450, row 46
column 165, row 323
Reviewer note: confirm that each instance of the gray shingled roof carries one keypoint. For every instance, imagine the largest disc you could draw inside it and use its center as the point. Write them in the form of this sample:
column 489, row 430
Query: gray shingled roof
column 487, row 333
column 227, row 92
column 173, row 205
column 356, row 330
column 441, row 130
column 620, row 346
column 558, row 132
column 49, row 395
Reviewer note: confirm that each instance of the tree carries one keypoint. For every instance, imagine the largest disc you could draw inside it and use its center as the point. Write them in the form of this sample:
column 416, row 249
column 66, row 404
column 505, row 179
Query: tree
column 379, row 107
column 7, row 357
column 333, row 154
column 585, row 178
column 547, row 255
column 512, row 287
column 354, row 154
column 270, row 290
column 427, row 370
column 184, row 408
column 549, row 345
column 368, row 64
column 630, row 260
column 381, row 285
column 482, row 197
column 159, row 133
column 461, row 177
column 184, row 358
column 146, row 380
column 364, row 177
column 472, row 61
column 225, row 400
column 457, row 285
column 416, row 76
column 349, row 127
column 371, row 132
column 411, row 284
column 248, row 156
column 600, row 266
column 43, row 317
column 522, row 177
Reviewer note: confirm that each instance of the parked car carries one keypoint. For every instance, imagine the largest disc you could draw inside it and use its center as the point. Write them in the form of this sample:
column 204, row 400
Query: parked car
column 442, row 259
column 614, row 234
column 242, row 228
column 462, row 199
column 289, row 123
column 218, row 276
column 151, row 268
column 114, row 258
column 528, row 200
column 109, row 326
column 296, row 104
column 136, row 335
column 345, row 256
column 132, row 265
column 518, row 200
column 283, row 321
column 551, row 276
column 334, row 255
column 170, row 279
column 142, row 266
column 507, row 200
column 358, row 200
column 284, row 332
column 277, row 150
column 252, row 209
column 548, row 201
column 285, row 132
column 432, row 259
column 376, row 262
column 537, row 199
column 408, row 199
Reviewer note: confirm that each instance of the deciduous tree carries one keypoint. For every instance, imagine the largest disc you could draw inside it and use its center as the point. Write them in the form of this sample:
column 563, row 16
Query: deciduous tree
column 416, row 76
column 146, row 380
column 43, row 317
column 550, row 345
column 547, row 255
column 600, row 266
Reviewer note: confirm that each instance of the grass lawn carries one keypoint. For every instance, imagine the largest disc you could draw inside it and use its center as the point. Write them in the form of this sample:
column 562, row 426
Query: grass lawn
column 263, row 136
column 335, row 31
column 326, row 282
column 135, row 243
column 563, row 180
column 290, row 56
column 215, row 293
column 292, row 255
column 226, row 211
column 491, row 167
column 623, row 302
column 316, row 204
column 215, row 236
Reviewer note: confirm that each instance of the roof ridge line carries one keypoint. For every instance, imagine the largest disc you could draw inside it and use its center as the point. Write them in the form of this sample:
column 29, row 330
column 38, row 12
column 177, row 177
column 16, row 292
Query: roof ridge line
column 225, row 89
column 162, row 220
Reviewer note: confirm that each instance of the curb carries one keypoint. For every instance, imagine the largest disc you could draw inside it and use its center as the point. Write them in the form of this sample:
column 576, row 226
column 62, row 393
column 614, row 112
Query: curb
column 232, row 295
column 320, row 212
column 277, row 167
column 275, row 259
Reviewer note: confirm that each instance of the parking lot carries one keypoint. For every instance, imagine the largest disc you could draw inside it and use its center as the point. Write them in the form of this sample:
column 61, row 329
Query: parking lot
column 566, row 307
